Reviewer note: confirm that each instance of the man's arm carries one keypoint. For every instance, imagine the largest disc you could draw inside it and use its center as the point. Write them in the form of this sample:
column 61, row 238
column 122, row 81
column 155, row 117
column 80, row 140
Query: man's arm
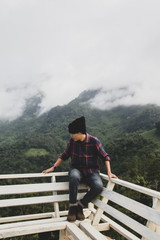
column 56, row 164
column 65, row 155
column 108, row 167
column 103, row 155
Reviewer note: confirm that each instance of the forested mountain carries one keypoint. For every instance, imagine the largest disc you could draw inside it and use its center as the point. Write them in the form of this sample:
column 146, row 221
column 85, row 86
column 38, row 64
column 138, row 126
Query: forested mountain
column 130, row 135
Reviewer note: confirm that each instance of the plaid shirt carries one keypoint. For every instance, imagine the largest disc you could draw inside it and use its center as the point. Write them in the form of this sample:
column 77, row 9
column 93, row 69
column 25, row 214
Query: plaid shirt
column 84, row 155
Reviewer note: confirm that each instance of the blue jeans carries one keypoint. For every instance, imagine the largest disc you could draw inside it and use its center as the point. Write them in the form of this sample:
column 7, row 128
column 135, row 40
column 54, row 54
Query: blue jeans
column 93, row 181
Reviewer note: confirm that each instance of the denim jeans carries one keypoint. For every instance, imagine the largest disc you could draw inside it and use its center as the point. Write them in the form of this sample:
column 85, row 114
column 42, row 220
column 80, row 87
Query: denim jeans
column 93, row 181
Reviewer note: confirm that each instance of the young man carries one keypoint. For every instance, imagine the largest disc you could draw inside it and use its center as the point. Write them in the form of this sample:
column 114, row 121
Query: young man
column 84, row 151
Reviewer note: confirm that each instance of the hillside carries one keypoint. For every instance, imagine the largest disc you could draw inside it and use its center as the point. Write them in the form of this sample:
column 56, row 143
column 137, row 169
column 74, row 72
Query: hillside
column 32, row 142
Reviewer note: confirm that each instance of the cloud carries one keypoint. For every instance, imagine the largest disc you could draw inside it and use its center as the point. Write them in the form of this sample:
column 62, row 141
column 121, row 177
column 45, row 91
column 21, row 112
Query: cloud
column 136, row 94
column 61, row 48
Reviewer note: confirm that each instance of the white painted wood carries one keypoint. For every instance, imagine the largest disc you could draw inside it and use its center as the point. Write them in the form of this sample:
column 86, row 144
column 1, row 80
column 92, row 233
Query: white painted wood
column 132, row 186
column 102, row 227
column 56, row 205
column 91, row 231
column 132, row 205
column 32, row 188
column 37, row 216
column 68, row 237
column 32, row 229
column 90, row 206
column 32, row 175
column 36, row 200
column 33, row 200
column 26, row 217
column 104, row 176
column 121, row 230
column 99, row 212
column 154, row 227
column 31, row 217
column 42, row 225
column 76, row 232
column 86, row 213
column 157, row 207
column 61, row 234
column 36, row 188
column 129, row 222
column 31, row 223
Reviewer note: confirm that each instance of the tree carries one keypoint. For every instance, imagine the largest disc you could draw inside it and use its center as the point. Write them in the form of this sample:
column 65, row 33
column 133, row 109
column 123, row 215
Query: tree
column 158, row 127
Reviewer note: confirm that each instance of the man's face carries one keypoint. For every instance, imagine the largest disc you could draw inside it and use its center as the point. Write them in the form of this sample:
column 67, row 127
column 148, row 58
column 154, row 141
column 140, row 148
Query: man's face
column 76, row 136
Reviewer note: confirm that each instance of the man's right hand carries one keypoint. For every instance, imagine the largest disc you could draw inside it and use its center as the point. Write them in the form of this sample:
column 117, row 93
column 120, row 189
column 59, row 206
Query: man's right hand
column 48, row 170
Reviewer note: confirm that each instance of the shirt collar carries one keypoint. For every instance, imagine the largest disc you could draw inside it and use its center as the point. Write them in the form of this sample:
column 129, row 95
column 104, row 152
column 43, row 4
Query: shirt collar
column 87, row 138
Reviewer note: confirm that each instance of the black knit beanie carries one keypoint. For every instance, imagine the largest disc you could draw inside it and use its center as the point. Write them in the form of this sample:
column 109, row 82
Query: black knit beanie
column 77, row 125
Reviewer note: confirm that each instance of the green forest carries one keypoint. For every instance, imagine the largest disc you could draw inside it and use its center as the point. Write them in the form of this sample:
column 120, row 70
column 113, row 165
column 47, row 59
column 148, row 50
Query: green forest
column 130, row 135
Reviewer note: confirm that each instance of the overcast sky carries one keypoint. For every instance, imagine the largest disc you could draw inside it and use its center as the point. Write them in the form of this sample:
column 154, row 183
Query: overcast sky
column 63, row 47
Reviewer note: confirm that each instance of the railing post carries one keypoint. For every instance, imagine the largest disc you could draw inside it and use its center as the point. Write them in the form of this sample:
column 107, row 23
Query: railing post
column 90, row 207
column 154, row 227
column 99, row 211
column 56, row 205
column 62, row 234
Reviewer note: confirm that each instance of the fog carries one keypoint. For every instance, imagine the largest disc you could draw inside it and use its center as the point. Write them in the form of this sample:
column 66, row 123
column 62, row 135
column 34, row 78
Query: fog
column 60, row 48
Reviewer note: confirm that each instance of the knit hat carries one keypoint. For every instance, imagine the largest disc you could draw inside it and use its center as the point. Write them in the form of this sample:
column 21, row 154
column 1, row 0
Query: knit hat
column 77, row 125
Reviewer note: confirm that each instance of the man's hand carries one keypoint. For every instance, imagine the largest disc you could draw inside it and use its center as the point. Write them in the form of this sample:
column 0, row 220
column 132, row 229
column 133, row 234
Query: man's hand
column 48, row 170
column 111, row 175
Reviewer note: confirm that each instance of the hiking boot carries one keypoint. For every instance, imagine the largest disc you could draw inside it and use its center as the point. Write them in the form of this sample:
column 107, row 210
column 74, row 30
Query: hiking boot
column 72, row 214
column 80, row 215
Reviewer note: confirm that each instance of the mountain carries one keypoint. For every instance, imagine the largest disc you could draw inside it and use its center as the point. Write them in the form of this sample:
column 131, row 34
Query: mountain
column 33, row 142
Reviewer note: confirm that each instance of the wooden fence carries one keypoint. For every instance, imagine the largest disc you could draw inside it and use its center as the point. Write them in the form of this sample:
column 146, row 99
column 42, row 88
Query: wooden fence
column 116, row 208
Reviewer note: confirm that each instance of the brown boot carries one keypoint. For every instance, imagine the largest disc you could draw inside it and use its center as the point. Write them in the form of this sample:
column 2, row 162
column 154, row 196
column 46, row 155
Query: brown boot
column 72, row 214
column 80, row 215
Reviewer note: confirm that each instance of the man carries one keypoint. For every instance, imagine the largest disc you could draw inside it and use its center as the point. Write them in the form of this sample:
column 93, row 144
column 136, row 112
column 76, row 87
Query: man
column 84, row 151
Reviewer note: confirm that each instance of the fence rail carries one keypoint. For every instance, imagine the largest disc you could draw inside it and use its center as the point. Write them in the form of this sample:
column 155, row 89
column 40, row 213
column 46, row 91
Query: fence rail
column 128, row 217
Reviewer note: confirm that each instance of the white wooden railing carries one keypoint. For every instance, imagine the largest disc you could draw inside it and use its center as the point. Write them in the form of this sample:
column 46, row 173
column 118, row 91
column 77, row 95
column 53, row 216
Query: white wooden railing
column 111, row 210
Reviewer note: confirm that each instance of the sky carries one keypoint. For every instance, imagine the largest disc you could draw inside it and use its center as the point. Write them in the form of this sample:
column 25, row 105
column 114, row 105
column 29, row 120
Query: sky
column 60, row 48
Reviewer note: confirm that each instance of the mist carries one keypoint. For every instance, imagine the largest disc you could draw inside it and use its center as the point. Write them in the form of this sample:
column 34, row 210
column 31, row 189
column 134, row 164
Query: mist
column 61, row 48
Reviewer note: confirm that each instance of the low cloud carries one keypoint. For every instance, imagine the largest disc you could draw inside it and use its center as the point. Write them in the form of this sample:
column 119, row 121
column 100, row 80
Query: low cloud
column 61, row 48
column 126, row 96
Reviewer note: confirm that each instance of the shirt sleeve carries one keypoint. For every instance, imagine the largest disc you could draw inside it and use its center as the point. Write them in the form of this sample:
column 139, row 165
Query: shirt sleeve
column 101, row 152
column 67, row 153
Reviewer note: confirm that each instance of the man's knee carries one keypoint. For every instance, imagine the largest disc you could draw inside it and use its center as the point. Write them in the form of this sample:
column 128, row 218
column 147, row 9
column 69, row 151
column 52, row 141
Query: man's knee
column 97, row 185
column 74, row 175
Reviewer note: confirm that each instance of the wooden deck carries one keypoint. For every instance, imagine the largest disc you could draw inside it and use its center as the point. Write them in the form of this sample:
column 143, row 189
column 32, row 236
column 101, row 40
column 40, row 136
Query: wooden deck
column 111, row 210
